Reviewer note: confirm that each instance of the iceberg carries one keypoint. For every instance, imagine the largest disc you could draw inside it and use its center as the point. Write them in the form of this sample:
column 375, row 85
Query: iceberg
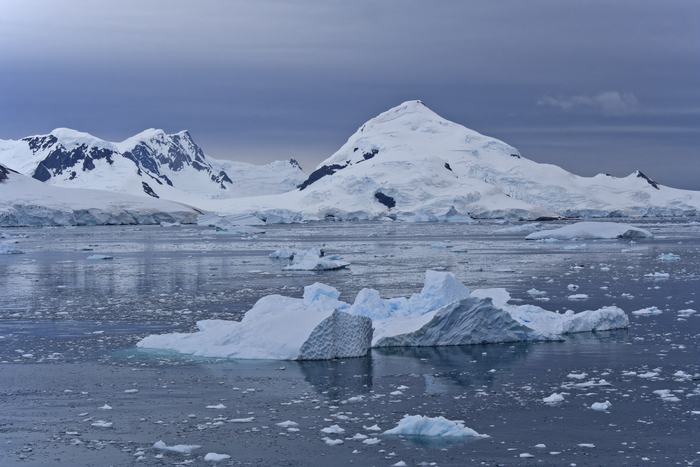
column 592, row 230
column 308, row 260
column 320, row 326
column 278, row 328
column 7, row 249
column 420, row 425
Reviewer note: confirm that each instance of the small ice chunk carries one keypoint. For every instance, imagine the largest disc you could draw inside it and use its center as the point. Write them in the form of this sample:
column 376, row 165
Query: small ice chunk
column 333, row 429
column 601, row 406
column 214, row 457
column 218, row 406
column 7, row 249
column 652, row 310
column 371, row 441
column 668, row 257
column 99, row 257
column 578, row 296
column 102, row 424
column 419, row 425
column 106, row 407
column 553, row 399
column 181, row 448
column 332, row 442
column 287, row 424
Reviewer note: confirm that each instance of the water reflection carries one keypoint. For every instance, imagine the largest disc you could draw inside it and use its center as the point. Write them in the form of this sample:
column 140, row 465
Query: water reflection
column 339, row 379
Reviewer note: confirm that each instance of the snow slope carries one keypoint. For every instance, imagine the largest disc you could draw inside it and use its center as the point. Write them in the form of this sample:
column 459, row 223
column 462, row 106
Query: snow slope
column 409, row 160
column 25, row 201
column 151, row 163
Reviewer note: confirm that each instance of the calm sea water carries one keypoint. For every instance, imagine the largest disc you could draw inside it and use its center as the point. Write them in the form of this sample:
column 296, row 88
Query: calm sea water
column 69, row 324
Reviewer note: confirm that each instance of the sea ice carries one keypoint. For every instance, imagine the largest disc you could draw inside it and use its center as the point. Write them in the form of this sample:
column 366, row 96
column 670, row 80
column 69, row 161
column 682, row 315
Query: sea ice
column 652, row 310
column 420, row 425
column 7, row 249
column 214, row 457
column 553, row 399
column 601, row 406
column 592, row 230
column 658, row 275
column 668, row 257
column 181, row 448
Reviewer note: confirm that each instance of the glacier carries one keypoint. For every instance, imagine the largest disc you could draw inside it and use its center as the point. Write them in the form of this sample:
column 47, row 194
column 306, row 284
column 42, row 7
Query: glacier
column 25, row 201
column 320, row 326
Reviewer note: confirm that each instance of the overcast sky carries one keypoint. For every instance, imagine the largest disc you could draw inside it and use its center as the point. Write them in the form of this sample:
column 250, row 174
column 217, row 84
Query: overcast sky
column 592, row 86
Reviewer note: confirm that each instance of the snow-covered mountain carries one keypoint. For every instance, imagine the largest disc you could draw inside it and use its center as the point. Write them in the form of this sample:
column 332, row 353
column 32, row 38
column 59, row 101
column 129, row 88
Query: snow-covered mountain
column 409, row 161
column 27, row 202
column 406, row 163
column 151, row 163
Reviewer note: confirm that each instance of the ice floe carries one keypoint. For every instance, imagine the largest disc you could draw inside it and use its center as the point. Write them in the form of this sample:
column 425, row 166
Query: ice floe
column 420, row 425
column 7, row 249
column 181, row 448
column 592, row 230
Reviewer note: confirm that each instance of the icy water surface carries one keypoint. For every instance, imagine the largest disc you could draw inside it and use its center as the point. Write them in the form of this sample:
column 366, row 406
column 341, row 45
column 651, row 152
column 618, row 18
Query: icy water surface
column 75, row 390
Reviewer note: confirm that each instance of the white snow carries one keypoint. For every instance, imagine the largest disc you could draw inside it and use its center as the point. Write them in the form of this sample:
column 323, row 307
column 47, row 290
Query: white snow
column 419, row 425
column 592, row 230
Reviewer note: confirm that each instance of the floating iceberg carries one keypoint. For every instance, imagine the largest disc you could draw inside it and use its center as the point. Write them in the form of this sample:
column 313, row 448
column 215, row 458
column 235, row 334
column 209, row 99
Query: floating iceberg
column 592, row 230
column 320, row 326
column 7, row 249
column 235, row 224
column 419, row 425
column 308, row 260
column 278, row 328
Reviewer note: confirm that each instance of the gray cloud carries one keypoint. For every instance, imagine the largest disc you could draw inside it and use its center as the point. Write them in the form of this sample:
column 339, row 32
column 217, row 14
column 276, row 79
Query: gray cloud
column 610, row 103
column 259, row 81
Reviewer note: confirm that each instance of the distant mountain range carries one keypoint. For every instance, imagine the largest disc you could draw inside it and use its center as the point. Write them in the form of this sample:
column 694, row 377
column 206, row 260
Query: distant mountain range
column 151, row 163
column 407, row 163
